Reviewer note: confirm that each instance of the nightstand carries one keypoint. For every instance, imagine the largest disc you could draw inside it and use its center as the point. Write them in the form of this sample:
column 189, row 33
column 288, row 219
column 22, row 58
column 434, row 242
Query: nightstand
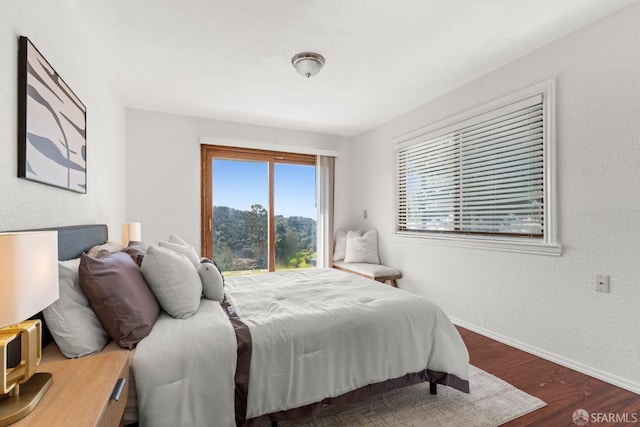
column 81, row 393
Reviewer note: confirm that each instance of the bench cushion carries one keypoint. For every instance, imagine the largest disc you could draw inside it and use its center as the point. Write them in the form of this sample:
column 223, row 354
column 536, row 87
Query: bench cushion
column 372, row 270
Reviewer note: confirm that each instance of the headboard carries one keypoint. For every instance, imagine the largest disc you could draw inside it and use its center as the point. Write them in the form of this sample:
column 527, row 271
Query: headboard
column 76, row 239
column 72, row 242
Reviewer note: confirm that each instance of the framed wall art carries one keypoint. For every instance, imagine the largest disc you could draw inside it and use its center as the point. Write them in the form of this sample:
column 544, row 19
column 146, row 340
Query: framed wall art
column 52, row 125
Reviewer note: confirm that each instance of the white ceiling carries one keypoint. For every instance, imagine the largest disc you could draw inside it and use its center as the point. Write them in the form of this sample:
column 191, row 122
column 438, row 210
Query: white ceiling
column 231, row 59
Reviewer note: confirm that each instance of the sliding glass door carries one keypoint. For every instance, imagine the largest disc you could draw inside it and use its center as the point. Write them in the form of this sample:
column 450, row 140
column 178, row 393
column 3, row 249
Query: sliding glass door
column 295, row 216
column 259, row 211
column 240, row 221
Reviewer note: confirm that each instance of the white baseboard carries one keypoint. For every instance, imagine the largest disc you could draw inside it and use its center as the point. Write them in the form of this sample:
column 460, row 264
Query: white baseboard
column 577, row 366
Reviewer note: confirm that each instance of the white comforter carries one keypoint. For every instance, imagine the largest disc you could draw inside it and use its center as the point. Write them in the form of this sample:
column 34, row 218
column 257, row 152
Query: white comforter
column 315, row 333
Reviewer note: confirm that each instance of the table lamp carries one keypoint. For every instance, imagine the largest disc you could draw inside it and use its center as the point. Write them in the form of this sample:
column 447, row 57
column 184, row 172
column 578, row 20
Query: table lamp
column 131, row 232
column 28, row 284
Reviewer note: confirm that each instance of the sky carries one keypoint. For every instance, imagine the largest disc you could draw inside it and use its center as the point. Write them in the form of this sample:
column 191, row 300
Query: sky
column 240, row 184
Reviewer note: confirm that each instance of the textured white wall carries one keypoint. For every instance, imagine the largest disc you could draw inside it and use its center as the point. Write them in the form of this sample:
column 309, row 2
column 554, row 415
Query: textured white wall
column 163, row 167
column 543, row 303
column 61, row 37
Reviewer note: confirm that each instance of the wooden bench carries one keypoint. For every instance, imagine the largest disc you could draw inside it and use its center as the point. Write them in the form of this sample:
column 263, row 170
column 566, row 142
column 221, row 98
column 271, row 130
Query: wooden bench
column 379, row 272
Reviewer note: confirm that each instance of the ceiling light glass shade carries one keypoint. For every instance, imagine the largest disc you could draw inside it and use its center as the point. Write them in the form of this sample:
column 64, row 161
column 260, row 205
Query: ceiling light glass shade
column 307, row 63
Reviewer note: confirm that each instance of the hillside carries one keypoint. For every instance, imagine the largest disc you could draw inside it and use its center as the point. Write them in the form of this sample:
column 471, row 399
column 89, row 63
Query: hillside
column 240, row 239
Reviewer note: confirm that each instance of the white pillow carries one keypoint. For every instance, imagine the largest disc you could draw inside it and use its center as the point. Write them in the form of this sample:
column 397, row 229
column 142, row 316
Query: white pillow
column 174, row 281
column 362, row 247
column 188, row 251
column 212, row 281
column 174, row 238
column 74, row 325
column 340, row 247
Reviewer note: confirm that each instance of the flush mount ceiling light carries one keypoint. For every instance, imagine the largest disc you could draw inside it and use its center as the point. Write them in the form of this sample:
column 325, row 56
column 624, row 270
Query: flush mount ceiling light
column 307, row 63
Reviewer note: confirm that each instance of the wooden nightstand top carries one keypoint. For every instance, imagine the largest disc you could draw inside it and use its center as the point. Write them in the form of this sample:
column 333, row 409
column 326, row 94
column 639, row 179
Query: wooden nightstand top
column 81, row 387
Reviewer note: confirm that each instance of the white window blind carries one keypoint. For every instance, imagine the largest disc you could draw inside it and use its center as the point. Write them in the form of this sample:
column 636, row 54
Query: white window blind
column 484, row 175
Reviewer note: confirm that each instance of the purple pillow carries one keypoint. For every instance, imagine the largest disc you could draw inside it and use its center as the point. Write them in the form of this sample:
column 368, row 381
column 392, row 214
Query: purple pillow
column 136, row 250
column 120, row 297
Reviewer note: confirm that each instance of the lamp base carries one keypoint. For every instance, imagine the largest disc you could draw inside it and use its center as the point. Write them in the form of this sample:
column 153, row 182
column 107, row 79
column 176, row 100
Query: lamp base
column 13, row 408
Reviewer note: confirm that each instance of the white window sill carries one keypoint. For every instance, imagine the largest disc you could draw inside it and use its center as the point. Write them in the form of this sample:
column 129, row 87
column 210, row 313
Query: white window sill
column 474, row 242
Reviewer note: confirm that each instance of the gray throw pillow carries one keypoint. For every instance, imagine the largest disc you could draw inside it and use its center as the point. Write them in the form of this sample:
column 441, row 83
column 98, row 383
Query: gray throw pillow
column 174, row 281
column 72, row 322
column 174, row 238
column 212, row 281
column 187, row 250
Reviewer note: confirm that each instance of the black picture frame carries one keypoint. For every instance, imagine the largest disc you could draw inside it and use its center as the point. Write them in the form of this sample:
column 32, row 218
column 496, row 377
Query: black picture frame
column 52, row 124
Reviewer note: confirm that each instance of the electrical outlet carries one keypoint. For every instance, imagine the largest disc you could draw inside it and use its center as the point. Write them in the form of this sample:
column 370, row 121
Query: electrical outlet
column 602, row 283
column 364, row 213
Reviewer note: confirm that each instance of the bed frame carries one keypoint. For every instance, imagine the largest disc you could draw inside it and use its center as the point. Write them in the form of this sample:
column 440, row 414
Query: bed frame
column 74, row 240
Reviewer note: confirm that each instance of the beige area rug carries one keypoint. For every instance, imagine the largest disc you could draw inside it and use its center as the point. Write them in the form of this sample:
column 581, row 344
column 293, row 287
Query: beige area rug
column 491, row 402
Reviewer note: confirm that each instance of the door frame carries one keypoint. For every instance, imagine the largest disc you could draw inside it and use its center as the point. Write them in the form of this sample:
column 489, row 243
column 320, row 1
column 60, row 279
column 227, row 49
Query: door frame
column 207, row 154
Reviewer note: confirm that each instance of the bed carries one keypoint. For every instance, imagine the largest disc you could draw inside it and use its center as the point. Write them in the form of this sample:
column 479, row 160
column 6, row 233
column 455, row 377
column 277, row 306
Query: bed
column 280, row 345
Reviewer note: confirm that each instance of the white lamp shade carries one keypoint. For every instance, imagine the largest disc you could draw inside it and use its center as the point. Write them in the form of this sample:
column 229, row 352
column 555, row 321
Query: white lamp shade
column 28, row 274
column 131, row 232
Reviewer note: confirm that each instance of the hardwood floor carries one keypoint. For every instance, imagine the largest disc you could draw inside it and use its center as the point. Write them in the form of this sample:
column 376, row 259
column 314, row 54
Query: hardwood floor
column 564, row 390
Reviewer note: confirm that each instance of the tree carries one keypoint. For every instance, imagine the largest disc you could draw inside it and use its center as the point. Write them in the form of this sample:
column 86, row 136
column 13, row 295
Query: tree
column 256, row 222
column 240, row 239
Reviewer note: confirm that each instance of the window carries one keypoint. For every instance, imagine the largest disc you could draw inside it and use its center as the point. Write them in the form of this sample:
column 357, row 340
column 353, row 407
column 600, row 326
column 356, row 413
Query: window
column 482, row 179
column 259, row 208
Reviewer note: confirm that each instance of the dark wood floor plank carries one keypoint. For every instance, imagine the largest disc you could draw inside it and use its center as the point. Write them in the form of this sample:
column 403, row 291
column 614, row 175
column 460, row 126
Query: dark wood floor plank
column 564, row 390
